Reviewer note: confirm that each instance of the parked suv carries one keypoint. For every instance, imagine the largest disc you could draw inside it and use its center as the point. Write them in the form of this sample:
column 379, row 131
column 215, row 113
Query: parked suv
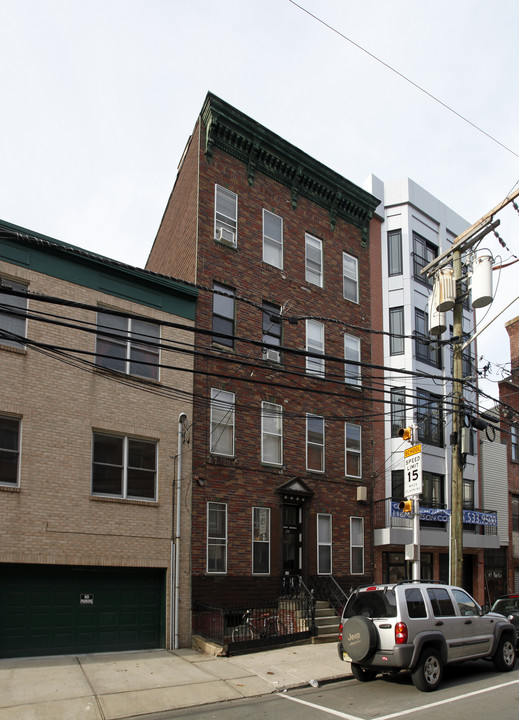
column 420, row 626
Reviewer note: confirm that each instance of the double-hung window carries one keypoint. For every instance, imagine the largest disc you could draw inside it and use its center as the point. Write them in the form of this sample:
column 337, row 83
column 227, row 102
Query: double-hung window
column 10, row 433
column 515, row 513
column 272, row 239
column 222, row 422
column 260, row 540
column 397, row 410
column 314, row 260
column 223, row 315
column 128, row 345
column 315, row 344
column 426, row 351
column 271, row 433
column 324, row 544
column 315, row 443
column 394, row 252
column 124, row 467
column 396, row 331
column 272, row 332
column 352, row 370
column 216, row 537
column 424, row 252
column 514, row 441
column 429, row 417
column 350, row 277
column 357, row 545
column 13, row 310
column 353, row 450
column 226, row 216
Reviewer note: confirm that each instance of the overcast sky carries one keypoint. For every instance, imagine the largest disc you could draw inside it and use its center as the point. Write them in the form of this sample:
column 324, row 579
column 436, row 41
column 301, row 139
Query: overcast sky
column 98, row 98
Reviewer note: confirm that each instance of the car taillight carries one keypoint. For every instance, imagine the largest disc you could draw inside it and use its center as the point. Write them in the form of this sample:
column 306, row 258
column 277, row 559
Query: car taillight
column 340, row 631
column 400, row 633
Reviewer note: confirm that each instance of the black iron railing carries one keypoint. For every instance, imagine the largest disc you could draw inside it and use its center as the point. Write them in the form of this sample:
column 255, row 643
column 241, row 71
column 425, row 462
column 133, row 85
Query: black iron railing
column 327, row 588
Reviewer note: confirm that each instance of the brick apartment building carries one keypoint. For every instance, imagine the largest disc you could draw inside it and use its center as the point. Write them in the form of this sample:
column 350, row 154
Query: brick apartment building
column 94, row 386
column 283, row 427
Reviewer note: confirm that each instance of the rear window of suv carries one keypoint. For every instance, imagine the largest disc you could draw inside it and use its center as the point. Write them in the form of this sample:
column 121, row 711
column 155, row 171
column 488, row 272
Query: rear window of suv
column 372, row 603
column 415, row 603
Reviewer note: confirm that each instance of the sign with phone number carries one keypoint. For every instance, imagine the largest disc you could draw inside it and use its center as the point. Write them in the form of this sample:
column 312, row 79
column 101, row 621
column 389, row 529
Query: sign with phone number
column 470, row 517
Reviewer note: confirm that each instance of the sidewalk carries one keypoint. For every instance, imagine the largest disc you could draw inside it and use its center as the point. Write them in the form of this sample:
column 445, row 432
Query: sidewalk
column 120, row 685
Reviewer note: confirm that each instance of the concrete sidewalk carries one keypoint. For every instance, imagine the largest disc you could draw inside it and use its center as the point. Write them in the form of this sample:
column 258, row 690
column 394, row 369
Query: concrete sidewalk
column 121, row 685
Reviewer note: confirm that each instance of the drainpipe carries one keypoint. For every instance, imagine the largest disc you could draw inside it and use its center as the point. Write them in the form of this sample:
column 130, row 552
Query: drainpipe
column 181, row 419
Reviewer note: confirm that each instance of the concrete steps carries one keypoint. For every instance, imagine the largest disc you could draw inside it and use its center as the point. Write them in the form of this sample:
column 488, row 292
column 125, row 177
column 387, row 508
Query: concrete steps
column 327, row 622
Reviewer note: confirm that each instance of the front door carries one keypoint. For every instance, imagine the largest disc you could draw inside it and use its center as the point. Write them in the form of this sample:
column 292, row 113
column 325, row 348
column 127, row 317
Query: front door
column 292, row 539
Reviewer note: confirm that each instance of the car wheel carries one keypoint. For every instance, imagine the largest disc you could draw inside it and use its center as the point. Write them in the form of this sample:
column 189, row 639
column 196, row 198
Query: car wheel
column 363, row 674
column 504, row 658
column 429, row 670
column 359, row 637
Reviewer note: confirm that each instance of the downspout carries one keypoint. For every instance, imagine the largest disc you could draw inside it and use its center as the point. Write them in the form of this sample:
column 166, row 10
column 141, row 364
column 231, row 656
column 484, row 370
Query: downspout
column 181, row 419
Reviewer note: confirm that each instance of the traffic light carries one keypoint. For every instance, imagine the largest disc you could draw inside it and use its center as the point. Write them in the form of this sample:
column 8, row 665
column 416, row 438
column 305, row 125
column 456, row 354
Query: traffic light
column 405, row 506
column 406, row 434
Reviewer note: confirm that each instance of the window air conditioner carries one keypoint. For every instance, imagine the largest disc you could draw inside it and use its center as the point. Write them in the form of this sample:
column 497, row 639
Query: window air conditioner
column 271, row 354
column 225, row 235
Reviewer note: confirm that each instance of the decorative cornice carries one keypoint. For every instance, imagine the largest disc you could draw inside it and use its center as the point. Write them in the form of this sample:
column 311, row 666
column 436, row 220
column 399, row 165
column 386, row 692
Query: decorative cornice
column 263, row 151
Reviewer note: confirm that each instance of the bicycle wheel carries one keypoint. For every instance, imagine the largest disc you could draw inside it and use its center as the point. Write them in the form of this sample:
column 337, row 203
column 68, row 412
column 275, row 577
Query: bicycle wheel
column 241, row 633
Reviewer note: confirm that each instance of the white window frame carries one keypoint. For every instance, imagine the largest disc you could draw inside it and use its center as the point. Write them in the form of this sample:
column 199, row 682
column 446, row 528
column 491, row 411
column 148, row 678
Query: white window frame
column 313, row 267
column 349, row 450
column 352, row 373
column 217, row 541
column 13, row 451
column 272, row 246
column 225, row 225
column 223, row 414
column 260, row 535
column 315, row 344
column 125, row 467
column 310, row 443
column 356, row 535
column 133, row 343
column 350, row 274
column 324, row 543
column 271, row 428
column 514, row 442
column 11, row 323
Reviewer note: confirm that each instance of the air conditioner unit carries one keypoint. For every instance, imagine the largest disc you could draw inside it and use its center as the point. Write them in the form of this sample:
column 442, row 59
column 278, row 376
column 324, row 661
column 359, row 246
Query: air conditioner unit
column 225, row 235
column 271, row 354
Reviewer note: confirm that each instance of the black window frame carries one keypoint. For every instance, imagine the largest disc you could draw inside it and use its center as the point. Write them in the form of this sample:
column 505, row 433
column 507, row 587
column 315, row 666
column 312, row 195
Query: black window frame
column 429, row 418
column 394, row 248
column 398, row 410
column 425, row 350
column 424, row 252
column 396, row 339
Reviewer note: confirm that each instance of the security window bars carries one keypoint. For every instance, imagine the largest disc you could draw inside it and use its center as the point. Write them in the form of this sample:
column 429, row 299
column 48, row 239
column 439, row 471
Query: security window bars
column 124, row 467
column 424, row 252
column 314, row 260
column 514, row 442
column 271, row 332
column 272, row 239
column 271, row 433
column 353, row 450
column 128, row 345
column 222, row 422
column 357, row 545
column 13, row 309
column 226, row 216
column 315, row 344
column 394, row 252
column 315, row 443
column 223, row 315
column 216, row 537
column 397, row 410
column 426, row 350
column 350, row 277
column 260, row 540
column 429, row 417
column 396, row 331
column 10, row 433
column 352, row 370
column 324, row 544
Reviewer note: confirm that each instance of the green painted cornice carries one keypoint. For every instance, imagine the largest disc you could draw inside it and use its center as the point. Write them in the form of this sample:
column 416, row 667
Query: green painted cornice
column 263, row 151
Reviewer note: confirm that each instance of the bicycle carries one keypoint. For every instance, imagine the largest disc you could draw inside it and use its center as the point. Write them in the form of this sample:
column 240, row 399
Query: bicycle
column 272, row 627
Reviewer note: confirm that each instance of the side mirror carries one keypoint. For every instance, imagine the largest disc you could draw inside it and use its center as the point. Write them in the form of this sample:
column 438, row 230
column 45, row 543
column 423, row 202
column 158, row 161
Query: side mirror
column 485, row 609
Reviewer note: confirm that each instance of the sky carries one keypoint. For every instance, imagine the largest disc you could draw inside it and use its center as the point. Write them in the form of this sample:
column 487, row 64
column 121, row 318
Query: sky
column 99, row 97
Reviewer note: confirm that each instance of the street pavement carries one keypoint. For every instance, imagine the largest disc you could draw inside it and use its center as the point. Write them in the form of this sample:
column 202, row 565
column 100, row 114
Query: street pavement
column 120, row 685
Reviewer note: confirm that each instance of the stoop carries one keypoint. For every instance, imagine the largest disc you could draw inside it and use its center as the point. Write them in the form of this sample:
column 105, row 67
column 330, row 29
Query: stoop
column 327, row 623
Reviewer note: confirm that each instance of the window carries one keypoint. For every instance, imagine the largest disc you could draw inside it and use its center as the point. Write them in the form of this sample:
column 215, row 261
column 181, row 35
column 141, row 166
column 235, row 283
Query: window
column 423, row 253
column 398, row 419
column 9, row 450
column 12, row 318
column 415, row 603
column 226, row 216
column 433, row 490
column 396, row 331
column 515, row 513
column 128, row 345
column 313, row 260
column 441, row 603
column 216, row 537
column 315, row 443
column 271, row 433
column 350, row 277
column 223, row 315
column 324, row 544
column 357, row 545
column 222, row 422
column 272, row 239
column 124, row 467
column 394, row 252
column 315, row 344
column 352, row 370
column 514, row 442
column 425, row 350
column 353, row 450
column 271, row 331
column 260, row 540
column 468, row 495
column 429, row 417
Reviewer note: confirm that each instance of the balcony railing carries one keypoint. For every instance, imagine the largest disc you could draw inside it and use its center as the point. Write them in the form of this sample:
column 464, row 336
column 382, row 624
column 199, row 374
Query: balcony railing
column 388, row 515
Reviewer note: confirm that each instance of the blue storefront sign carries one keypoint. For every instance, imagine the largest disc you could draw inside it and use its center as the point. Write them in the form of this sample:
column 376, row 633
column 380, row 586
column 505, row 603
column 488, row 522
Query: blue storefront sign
column 470, row 517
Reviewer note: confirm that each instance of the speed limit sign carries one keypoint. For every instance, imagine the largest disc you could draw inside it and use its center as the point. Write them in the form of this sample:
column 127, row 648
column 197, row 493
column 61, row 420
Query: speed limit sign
column 413, row 471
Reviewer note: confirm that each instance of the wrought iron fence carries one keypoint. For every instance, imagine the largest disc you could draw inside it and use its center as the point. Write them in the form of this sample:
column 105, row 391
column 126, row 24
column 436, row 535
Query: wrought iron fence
column 327, row 588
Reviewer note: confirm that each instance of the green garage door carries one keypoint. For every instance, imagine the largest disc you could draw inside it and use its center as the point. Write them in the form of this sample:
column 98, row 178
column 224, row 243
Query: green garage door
column 56, row 610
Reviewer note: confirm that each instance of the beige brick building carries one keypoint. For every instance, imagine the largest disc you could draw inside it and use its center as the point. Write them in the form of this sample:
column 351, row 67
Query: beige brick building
column 95, row 453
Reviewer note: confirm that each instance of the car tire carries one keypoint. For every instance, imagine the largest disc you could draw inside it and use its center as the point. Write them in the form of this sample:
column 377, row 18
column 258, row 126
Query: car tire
column 428, row 672
column 362, row 674
column 504, row 657
column 359, row 637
